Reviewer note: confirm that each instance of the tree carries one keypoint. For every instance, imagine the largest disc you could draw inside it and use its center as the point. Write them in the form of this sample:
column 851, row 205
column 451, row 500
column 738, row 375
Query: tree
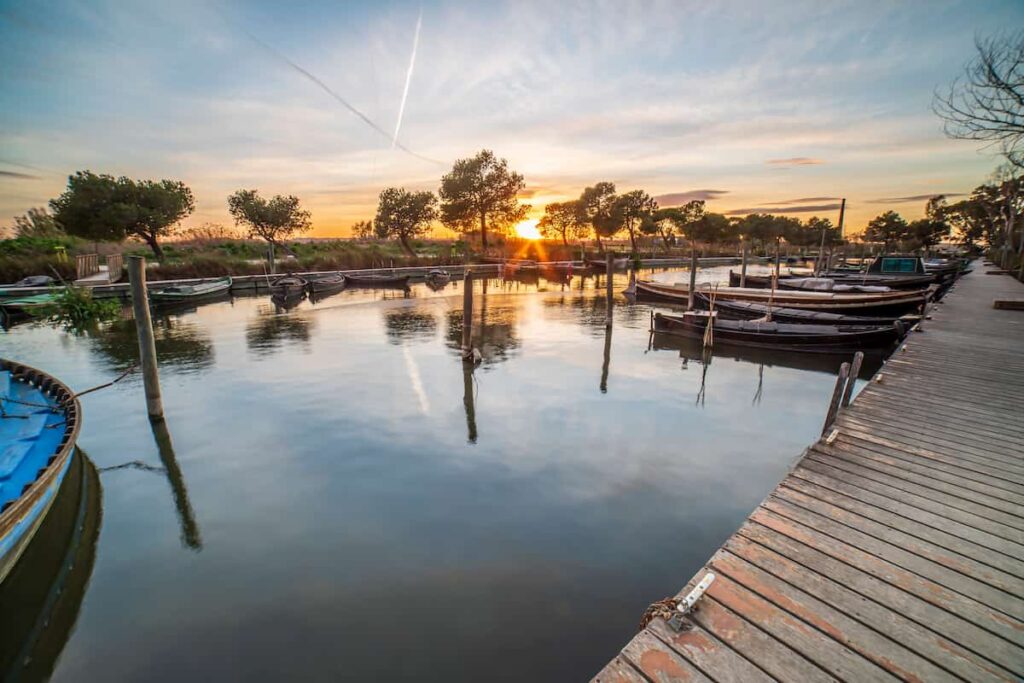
column 363, row 230
column 930, row 230
column 481, row 191
column 598, row 208
column 633, row 210
column 673, row 220
column 1003, row 200
column 816, row 226
column 710, row 228
column 563, row 220
column 273, row 220
column 888, row 228
column 986, row 102
column 404, row 215
column 36, row 223
column 971, row 222
column 761, row 227
column 101, row 207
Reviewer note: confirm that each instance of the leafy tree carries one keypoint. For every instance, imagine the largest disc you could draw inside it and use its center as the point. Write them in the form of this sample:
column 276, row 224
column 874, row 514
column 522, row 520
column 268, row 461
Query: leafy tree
column 987, row 101
column 599, row 210
column 927, row 232
column 816, row 226
column 481, row 191
column 563, row 220
column 888, row 228
column 36, row 223
column 763, row 228
column 363, row 229
column 971, row 222
column 273, row 220
column 101, row 207
column 404, row 215
column 634, row 209
column 710, row 228
column 673, row 220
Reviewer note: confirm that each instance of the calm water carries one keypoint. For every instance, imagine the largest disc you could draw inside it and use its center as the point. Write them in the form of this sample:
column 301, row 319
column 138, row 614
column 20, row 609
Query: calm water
column 336, row 497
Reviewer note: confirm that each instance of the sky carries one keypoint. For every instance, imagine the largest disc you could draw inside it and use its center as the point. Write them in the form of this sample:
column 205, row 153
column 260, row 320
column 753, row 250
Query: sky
column 749, row 105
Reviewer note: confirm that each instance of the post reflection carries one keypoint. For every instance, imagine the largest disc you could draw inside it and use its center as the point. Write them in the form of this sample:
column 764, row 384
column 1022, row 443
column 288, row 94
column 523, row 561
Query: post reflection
column 469, row 401
column 607, row 359
column 190, row 537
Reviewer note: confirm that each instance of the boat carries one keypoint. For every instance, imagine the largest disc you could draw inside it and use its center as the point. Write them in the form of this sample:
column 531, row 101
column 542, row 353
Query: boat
column 289, row 287
column 750, row 310
column 35, row 281
column 182, row 294
column 39, row 425
column 326, row 285
column 378, row 281
column 437, row 279
column 795, row 337
column 601, row 265
column 835, row 282
column 27, row 305
column 880, row 303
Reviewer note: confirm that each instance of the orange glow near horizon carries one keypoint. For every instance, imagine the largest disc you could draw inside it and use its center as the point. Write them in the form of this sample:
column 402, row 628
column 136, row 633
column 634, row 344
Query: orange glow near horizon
column 527, row 229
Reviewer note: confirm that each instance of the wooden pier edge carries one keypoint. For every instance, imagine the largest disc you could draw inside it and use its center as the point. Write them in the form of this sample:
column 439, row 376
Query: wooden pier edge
column 893, row 550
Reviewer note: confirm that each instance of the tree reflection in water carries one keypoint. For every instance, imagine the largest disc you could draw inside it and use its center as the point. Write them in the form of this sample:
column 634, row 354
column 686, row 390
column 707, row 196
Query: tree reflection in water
column 179, row 344
column 409, row 324
column 270, row 332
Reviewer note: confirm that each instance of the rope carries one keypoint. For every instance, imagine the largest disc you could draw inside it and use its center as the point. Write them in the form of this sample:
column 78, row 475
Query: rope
column 58, row 406
column 665, row 609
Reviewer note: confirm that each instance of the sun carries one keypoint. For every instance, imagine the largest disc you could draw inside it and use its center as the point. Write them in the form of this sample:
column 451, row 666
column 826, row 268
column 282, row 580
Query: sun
column 528, row 229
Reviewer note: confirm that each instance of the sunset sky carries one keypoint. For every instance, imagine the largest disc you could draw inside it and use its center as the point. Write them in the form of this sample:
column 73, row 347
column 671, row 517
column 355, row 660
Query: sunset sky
column 750, row 105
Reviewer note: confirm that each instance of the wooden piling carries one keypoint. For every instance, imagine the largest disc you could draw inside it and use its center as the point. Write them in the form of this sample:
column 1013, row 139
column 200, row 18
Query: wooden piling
column 693, row 279
column 467, row 315
column 743, row 267
column 609, row 289
column 147, row 342
column 858, row 359
column 837, row 393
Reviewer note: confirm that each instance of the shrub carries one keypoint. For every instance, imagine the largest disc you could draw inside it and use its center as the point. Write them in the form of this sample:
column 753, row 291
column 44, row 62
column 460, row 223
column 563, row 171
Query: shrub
column 14, row 268
column 75, row 309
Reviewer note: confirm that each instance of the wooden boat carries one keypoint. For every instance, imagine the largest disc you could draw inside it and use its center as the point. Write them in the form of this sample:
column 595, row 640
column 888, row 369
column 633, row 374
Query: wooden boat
column 326, row 285
column 289, row 287
column 378, row 281
column 750, row 310
column 437, row 279
column 801, row 337
column 26, row 305
column 37, row 445
column 881, row 303
column 840, row 282
column 601, row 265
column 181, row 294
column 35, row 281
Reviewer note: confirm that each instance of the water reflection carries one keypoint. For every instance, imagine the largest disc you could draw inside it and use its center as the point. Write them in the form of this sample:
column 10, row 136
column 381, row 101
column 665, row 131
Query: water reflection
column 469, row 401
column 270, row 332
column 190, row 537
column 41, row 597
column 179, row 343
column 409, row 324
column 494, row 328
column 607, row 359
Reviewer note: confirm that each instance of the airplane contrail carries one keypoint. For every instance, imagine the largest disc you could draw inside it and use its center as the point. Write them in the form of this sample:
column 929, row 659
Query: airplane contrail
column 323, row 86
column 408, row 77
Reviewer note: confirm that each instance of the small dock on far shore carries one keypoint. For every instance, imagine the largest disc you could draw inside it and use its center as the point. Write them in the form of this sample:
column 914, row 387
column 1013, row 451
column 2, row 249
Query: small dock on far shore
column 894, row 550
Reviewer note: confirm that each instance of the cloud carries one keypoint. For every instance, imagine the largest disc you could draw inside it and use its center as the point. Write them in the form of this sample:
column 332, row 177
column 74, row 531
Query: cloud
column 810, row 208
column 913, row 198
column 22, row 176
column 804, row 200
column 795, row 161
column 676, row 198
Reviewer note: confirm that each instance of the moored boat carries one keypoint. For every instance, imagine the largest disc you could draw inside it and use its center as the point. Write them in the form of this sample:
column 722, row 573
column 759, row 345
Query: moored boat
column 437, row 279
column 799, row 337
column 834, row 282
column 750, row 310
column 289, row 287
column 26, row 305
column 327, row 285
column 601, row 265
column 378, row 281
column 38, row 428
column 202, row 291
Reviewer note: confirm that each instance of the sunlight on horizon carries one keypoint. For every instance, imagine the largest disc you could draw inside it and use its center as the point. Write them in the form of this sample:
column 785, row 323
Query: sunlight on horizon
column 527, row 229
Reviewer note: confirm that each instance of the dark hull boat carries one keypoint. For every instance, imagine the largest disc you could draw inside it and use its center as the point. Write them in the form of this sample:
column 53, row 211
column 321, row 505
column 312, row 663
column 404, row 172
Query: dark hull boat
column 326, row 285
column 802, row 337
column 289, row 287
column 190, row 294
column 841, row 281
column 438, row 279
column 873, row 304
column 378, row 281
column 601, row 266
column 38, row 428
column 750, row 310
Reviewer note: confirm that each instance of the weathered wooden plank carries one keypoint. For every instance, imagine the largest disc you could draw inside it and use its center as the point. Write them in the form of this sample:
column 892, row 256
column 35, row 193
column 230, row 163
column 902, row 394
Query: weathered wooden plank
column 1002, row 628
column 1009, row 304
column 926, row 643
column 899, row 389
column 967, row 431
column 905, row 412
column 708, row 653
column 929, row 439
column 887, row 654
column 619, row 671
column 658, row 662
column 941, row 493
column 937, row 546
column 996, row 419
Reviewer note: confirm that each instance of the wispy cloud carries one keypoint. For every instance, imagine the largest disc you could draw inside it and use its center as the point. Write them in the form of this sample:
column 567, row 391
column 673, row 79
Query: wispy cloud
column 913, row 198
column 795, row 161
column 812, row 208
column 20, row 176
column 805, row 200
column 675, row 198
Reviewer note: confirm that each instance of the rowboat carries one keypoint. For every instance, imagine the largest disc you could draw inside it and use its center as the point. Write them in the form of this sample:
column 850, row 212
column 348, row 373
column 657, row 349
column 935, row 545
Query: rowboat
column 35, row 281
column 802, row 337
column 180, row 294
column 601, row 265
column 835, row 282
column 326, row 285
column 750, row 310
column 437, row 279
column 854, row 304
column 38, row 428
column 378, row 281
column 26, row 305
column 289, row 287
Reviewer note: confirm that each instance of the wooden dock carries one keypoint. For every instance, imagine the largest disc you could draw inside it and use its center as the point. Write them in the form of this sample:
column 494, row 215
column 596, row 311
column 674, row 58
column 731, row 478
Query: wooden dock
column 894, row 552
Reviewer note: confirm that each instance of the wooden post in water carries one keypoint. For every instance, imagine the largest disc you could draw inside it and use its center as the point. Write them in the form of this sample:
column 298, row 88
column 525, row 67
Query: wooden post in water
column 693, row 279
column 778, row 257
column 147, row 342
column 743, row 266
column 837, row 394
column 467, row 315
column 609, row 288
column 858, row 359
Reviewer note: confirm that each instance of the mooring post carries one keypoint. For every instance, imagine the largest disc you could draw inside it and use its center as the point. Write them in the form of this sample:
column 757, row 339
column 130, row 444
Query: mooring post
column 693, row 279
column 837, row 394
column 147, row 342
column 743, row 267
column 467, row 315
column 778, row 257
column 858, row 359
column 609, row 288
